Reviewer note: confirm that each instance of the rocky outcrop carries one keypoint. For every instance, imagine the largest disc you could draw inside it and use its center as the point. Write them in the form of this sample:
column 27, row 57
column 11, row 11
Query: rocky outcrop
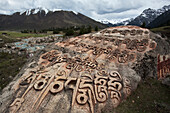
column 90, row 73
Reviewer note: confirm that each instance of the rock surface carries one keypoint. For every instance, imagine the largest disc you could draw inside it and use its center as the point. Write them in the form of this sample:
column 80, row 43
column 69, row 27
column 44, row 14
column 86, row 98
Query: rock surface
column 90, row 73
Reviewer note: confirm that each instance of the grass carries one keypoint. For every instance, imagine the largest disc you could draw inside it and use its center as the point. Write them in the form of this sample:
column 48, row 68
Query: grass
column 10, row 65
column 15, row 34
column 150, row 97
column 7, row 40
column 165, row 30
column 161, row 28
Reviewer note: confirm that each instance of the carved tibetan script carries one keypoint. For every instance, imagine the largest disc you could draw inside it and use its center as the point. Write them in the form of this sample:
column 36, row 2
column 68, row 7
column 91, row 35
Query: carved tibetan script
column 89, row 68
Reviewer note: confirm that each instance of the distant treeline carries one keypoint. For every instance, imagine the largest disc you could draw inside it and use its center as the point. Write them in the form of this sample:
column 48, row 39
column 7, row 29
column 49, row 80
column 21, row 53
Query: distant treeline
column 69, row 31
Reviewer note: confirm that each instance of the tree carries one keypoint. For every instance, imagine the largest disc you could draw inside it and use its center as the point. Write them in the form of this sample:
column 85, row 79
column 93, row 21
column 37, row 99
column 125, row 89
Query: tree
column 24, row 31
column 89, row 29
column 55, row 31
column 96, row 28
column 43, row 31
column 35, row 31
column 143, row 25
column 69, row 32
column 82, row 30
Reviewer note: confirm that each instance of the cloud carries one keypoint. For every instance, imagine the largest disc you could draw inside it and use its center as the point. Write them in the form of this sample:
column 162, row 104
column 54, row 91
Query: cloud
column 96, row 9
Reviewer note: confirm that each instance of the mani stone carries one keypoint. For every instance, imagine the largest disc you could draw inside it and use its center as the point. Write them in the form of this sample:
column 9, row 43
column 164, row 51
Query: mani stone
column 91, row 73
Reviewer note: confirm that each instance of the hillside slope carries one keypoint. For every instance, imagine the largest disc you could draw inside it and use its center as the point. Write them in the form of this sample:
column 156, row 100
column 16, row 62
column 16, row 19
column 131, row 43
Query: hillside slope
column 148, row 15
column 161, row 20
column 43, row 20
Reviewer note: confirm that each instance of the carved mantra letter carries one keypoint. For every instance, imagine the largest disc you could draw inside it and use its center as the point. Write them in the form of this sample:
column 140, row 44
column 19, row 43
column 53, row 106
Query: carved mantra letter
column 17, row 103
column 114, row 87
column 82, row 97
column 101, row 88
column 127, row 86
column 40, row 84
column 57, row 85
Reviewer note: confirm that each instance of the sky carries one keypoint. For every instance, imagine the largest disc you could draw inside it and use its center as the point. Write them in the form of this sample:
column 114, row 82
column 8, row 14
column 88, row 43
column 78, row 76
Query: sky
column 112, row 10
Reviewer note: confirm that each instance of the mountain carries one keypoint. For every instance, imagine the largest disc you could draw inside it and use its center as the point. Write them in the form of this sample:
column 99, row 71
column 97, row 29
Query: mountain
column 35, row 11
column 41, row 18
column 106, row 22
column 162, row 20
column 114, row 22
column 148, row 15
column 125, row 22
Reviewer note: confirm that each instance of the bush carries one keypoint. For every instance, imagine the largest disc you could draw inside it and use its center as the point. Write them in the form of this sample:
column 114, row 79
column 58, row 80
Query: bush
column 96, row 28
column 69, row 32
column 24, row 31
column 89, row 29
column 84, row 30
column 56, row 32
column 143, row 25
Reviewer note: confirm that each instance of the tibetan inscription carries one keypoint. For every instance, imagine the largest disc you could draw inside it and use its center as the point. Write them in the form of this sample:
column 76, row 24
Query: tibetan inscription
column 163, row 66
column 88, row 67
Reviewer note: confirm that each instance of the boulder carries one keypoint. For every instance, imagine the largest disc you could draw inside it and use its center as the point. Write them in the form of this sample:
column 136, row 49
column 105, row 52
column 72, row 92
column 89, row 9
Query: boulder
column 92, row 73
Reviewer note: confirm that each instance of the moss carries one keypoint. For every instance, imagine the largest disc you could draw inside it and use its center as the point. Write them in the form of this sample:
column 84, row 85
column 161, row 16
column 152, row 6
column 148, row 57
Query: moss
column 10, row 65
column 150, row 97
column 165, row 31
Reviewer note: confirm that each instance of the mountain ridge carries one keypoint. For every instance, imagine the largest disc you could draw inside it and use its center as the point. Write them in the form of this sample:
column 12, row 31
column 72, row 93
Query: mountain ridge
column 163, row 19
column 43, row 19
column 147, row 16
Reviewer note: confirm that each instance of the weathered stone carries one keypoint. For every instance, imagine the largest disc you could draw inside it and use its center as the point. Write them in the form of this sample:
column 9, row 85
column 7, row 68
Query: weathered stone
column 166, row 81
column 90, row 73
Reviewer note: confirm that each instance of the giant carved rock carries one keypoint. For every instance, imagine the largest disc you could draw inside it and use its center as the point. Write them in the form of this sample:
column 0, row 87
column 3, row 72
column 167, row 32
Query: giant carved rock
column 85, row 74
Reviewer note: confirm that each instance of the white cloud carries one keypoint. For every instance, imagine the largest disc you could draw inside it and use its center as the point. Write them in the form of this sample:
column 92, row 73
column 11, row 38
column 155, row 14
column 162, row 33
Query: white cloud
column 96, row 9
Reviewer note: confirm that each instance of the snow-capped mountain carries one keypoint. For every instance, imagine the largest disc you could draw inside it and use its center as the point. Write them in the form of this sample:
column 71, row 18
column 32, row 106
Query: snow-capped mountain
column 40, row 10
column 122, row 23
column 114, row 22
column 148, row 15
column 106, row 22
column 163, row 9
column 162, row 20
column 34, row 11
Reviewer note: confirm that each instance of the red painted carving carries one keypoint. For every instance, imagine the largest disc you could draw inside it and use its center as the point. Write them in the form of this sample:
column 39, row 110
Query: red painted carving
column 163, row 67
